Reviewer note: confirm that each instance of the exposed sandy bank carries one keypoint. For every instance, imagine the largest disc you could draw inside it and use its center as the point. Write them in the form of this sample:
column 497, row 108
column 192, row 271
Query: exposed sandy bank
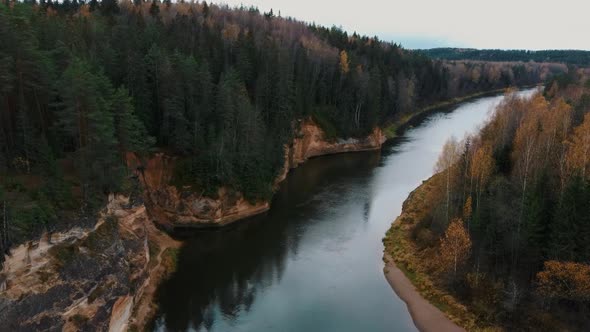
column 426, row 317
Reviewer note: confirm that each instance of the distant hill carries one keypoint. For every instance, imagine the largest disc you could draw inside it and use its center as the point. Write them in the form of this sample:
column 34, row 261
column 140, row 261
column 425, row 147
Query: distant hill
column 574, row 57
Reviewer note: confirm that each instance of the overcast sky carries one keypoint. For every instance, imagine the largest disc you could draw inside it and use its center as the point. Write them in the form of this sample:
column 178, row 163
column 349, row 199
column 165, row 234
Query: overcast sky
column 508, row 24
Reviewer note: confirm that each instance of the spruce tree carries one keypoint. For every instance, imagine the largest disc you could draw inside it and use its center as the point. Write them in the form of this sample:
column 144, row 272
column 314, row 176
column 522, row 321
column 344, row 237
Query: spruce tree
column 154, row 9
column 568, row 215
column 130, row 132
column 109, row 7
column 539, row 208
column 86, row 120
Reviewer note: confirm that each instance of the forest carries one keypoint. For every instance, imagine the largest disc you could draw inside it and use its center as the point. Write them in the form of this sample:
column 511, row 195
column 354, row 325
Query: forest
column 572, row 57
column 84, row 83
column 507, row 229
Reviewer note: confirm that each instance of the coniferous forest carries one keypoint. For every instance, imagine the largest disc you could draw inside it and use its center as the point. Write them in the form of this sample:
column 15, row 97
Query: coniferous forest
column 84, row 83
column 572, row 57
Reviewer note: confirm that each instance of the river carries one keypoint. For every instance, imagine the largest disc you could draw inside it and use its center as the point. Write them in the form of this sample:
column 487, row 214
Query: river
column 314, row 261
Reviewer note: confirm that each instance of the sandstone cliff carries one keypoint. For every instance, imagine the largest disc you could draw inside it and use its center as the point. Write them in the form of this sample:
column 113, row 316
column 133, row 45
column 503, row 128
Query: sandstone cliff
column 173, row 207
column 310, row 141
column 98, row 279
column 104, row 278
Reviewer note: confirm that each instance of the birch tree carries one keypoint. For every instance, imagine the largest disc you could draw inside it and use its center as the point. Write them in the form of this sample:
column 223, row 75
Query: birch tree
column 578, row 149
column 455, row 246
column 447, row 162
column 482, row 167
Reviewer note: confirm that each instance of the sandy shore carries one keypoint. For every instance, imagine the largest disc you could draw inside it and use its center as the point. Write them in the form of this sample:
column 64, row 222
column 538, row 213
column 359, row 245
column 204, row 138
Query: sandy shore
column 426, row 317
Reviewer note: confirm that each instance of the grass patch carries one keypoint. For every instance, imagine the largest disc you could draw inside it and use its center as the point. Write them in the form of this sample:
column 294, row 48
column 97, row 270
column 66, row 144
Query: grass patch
column 170, row 259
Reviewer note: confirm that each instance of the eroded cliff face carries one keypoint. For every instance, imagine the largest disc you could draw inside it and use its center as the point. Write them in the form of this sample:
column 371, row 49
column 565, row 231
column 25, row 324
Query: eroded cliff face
column 173, row 207
column 310, row 141
column 105, row 278
column 98, row 279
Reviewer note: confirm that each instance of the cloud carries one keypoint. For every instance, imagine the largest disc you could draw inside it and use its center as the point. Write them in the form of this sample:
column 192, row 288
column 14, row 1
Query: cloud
column 509, row 24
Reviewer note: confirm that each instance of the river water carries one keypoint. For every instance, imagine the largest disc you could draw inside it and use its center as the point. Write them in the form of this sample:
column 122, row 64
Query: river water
column 314, row 261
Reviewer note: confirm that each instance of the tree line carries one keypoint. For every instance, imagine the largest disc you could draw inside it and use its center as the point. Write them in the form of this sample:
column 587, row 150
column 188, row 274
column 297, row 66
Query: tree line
column 84, row 83
column 513, row 212
column 570, row 57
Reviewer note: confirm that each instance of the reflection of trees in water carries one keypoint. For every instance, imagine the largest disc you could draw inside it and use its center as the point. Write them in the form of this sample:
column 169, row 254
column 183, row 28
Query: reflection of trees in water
column 223, row 270
column 366, row 211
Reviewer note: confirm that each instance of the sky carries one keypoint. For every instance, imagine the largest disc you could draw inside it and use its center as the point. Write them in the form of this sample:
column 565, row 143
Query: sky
column 504, row 24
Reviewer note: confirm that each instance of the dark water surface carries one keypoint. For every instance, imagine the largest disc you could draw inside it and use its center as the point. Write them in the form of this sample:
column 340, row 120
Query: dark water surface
column 314, row 261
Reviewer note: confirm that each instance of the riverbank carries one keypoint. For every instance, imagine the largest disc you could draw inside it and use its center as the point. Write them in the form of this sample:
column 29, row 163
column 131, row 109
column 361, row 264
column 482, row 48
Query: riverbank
column 425, row 315
column 328, row 213
column 395, row 128
column 176, row 206
column 456, row 254
column 431, row 308
column 119, row 307
column 309, row 144
column 183, row 207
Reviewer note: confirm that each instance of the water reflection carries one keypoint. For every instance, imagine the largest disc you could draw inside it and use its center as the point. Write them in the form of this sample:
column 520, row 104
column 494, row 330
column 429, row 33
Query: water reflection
column 313, row 262
column 221, row 272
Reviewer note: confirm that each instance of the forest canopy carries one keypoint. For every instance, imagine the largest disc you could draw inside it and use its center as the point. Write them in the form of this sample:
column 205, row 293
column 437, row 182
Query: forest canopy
column 511, row 203
column 84, row 83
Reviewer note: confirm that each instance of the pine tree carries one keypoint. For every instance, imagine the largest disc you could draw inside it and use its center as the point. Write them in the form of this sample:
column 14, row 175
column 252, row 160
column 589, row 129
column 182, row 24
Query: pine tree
column 374, row 99
column 154, row 9
column 86, row 121
column 285, row 98
column 571, row 211
column 155, row 63
column 93, row 5
column 205, row 9
column 109, row 7
column 539, row 208
column 26, row 137
column 130, row 132
column 175, row 127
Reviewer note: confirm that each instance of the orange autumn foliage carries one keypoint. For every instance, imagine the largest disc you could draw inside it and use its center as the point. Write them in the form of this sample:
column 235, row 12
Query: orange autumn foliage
column 231, row 32
column 344, row 63
column 564, row 280
column 455, row 246
column 467, row 209
column 578, row 149
column 482, row 167
column 482, row 164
